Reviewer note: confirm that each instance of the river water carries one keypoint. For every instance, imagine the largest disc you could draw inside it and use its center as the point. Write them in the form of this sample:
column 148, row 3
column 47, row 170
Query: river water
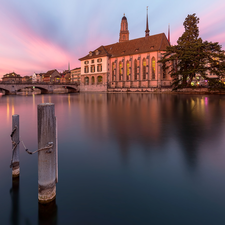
column 123, row 159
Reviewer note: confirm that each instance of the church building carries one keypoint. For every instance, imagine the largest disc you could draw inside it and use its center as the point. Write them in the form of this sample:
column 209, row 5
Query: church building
column 128, row 65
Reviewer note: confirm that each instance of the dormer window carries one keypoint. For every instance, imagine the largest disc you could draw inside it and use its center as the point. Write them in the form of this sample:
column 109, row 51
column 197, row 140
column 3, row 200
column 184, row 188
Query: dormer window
column 97, row 52
column 136, row 50
column 90, row 53
column 152, row 47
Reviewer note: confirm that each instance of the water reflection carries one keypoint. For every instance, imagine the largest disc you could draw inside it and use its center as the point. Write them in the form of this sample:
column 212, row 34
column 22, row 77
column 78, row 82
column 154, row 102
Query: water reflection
column 47, row 213
column 139, row 152
column 14, row 193
column 151, row 121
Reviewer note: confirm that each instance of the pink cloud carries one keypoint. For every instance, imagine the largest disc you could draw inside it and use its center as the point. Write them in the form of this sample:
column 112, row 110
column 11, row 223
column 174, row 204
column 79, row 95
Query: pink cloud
column 24, row 52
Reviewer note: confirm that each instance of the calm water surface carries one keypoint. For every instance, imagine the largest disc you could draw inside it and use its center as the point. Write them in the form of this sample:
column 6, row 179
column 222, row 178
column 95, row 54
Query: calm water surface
column 123, row 159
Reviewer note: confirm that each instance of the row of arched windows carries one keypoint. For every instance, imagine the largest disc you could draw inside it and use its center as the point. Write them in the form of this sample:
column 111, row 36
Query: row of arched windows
column 136, row 69
column 99, row 80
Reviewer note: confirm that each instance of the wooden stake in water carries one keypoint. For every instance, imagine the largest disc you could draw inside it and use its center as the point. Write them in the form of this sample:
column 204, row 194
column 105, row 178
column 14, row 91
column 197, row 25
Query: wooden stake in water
column 15, row 163
column 47, row 159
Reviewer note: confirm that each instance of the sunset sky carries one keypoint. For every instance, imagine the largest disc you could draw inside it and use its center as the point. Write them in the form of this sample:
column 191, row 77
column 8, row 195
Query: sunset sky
column 37, row 36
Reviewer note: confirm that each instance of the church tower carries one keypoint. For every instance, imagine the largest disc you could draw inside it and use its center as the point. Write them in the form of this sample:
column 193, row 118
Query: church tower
column 124, row 33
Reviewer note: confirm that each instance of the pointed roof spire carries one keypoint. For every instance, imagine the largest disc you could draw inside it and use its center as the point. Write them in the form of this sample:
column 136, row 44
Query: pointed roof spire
column 147, row 30
column 69, row 66
column 169, row 33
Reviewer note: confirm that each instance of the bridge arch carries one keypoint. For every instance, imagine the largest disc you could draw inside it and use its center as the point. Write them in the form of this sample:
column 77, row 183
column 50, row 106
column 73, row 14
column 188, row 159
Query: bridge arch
column 71, row 89
column 6, row 90
column 43, row 89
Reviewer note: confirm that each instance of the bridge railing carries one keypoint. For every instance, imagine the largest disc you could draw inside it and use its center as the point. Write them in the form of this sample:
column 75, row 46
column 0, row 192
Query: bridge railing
column 39, row 83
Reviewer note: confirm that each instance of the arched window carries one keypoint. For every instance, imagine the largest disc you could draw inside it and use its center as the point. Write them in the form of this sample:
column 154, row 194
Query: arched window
column 153, row 68
column 99, row 78
column 128, row 69
column 92, row 80
column 144, row 69
column 120, row 70
column 135, row 69
column 86, row 80
column 113, row 69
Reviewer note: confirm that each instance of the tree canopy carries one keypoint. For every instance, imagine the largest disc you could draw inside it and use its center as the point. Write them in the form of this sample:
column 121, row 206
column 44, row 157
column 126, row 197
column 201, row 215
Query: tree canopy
column 192, row 57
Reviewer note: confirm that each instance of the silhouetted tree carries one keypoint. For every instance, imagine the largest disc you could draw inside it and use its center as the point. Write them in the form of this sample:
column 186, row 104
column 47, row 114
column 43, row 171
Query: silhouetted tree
column 191, row 56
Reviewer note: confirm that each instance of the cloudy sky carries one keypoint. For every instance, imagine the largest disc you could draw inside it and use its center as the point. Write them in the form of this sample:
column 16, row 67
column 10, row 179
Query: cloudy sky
column 39, row 35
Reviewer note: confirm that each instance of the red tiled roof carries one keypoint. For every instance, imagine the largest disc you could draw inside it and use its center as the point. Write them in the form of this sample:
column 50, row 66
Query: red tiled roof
column 152, row 43
column 13, row 74
column 50, row 72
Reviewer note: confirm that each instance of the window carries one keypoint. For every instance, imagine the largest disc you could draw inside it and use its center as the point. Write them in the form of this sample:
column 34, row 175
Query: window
column 86, row 62
column 153, row 68
column 164, row 74
column 92, row 61
column 92, row 80
column 86, row 81
column 113, row 69
column 144, row 69
column 120, row 70
column 86, row 69
column 99, row 78
column 128, row 69
column 135, row 69
column 92, row 68
column 99, row 68
column 99, row 60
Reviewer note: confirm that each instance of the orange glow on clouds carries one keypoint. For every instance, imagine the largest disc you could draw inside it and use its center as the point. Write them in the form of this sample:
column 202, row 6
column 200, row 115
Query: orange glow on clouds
column 37, row 36
column 24, row 52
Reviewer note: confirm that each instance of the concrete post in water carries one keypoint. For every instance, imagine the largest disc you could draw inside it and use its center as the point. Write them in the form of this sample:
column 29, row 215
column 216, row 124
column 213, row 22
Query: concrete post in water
column 47, row 159
column 15, row 162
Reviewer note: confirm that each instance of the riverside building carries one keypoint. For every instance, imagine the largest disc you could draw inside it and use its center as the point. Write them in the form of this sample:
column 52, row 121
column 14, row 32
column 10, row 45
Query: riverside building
column 128, row 65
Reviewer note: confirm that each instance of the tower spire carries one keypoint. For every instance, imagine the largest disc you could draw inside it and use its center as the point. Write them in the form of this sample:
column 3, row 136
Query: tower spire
column 147, row 30
column 169, row 33
column 124, row 32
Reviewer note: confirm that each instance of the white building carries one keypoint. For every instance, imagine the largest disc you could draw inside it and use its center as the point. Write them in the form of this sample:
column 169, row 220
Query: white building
column 34, row 78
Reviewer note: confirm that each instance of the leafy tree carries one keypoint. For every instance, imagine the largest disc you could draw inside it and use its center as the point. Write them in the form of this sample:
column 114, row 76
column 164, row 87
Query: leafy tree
column 191, row 56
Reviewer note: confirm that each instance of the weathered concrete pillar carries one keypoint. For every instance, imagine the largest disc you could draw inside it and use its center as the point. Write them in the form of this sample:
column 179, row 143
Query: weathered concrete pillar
column 15, row 163
column 47, row 159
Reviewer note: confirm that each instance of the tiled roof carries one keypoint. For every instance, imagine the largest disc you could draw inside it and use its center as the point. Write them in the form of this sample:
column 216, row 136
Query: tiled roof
column 50, row 72
column 152, row 43
column 13, row 74
column 77, row 68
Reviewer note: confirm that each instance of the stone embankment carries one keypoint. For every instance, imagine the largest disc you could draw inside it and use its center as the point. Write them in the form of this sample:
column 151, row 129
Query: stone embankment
column 165, row 90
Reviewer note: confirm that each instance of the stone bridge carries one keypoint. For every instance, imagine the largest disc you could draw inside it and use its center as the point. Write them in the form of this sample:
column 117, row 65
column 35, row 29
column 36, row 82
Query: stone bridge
column 46, row 88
